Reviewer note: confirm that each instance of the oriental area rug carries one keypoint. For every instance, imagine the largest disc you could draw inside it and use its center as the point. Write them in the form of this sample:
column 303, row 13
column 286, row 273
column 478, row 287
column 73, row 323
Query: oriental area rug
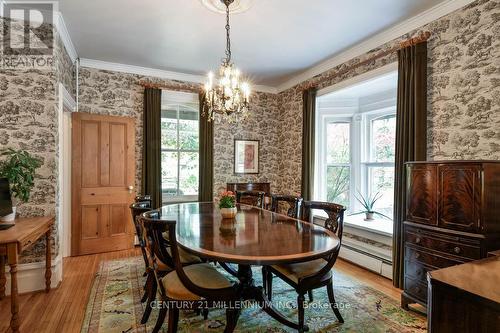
column 114, row 306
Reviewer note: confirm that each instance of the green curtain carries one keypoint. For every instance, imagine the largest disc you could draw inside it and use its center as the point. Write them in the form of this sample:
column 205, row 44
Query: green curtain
column 308, row 122
column 151, row 159
column 411, row 138
column 206, row 178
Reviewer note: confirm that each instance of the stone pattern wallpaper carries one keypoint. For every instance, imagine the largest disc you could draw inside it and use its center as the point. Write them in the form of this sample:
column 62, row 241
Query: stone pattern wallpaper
column 463, row 90
column 120, row 94
column 28, row 120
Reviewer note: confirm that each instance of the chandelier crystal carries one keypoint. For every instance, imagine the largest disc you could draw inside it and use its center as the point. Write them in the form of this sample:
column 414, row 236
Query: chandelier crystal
column 226, row 98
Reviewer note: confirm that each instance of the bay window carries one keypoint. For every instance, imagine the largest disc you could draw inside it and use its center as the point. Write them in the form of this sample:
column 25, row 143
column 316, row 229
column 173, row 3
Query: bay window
column 355, row 147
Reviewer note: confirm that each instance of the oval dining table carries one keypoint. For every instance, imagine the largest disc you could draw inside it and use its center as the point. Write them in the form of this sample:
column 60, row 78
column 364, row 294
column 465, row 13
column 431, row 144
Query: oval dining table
column 254, row 237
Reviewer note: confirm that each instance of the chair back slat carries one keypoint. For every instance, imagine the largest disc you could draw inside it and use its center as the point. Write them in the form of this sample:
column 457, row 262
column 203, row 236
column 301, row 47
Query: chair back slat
column 253, row 198
column 335, row 212
column 294, row 205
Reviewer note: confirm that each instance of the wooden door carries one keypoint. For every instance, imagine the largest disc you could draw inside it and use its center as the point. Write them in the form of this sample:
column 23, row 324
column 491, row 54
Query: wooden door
column 103, row 177
column 421, row 193
column 459, row 205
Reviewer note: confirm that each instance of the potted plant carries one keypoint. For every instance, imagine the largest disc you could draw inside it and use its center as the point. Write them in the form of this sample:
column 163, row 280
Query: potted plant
column 227, row 205
column 368, row 204
column 19, row 168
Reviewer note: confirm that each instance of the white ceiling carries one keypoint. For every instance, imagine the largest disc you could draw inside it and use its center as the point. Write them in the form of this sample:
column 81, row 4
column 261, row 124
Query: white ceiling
column 377, row 85
column 271, row 42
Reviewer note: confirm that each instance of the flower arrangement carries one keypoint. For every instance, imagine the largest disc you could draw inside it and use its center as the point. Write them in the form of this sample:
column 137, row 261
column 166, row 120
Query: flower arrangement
column 227, row 200
column 227, row 205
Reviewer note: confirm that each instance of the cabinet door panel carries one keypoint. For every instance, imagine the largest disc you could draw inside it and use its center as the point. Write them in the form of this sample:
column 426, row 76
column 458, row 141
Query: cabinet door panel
column 421, row 195
column 459, row 197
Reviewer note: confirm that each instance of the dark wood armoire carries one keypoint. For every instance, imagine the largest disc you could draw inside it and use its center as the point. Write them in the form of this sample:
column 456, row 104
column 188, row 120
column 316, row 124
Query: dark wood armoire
column 452, row 217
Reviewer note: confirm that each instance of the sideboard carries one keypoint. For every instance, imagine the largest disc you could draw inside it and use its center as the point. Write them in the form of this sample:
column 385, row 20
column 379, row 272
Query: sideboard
column 452, row 217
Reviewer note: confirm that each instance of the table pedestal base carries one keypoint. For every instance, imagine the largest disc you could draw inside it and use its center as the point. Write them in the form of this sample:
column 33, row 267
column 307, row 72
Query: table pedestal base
column 250, row 291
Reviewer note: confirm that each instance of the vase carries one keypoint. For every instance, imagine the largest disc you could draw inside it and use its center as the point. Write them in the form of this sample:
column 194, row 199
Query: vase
column 369, row 216
column 228, row 213
column 9, row 218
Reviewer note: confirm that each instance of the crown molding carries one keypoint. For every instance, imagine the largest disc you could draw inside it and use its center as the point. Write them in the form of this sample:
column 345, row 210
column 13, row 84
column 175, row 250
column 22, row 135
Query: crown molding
column 386, row 36
column 65, row 37
column 162, row 74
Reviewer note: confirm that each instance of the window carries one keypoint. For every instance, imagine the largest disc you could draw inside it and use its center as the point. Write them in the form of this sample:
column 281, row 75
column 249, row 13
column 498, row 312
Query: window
column 338, row 159
column 179, row 146
column 355, row 145
column 380, row 162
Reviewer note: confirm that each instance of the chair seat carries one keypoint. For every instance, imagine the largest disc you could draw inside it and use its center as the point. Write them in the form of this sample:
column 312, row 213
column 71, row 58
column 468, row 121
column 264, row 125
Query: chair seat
column 202, row 275
column 296, row 272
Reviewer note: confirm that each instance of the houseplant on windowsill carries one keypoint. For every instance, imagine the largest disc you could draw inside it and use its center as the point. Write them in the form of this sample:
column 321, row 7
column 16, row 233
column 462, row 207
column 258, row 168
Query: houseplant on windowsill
column 227, row 205
column 19, row 168
column 368, row 204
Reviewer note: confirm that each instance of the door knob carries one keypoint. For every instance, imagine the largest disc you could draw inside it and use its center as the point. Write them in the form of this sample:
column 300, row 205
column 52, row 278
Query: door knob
column 130, row 189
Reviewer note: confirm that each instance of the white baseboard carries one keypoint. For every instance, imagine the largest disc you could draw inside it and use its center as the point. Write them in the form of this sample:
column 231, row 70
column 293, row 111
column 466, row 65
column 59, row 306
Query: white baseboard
column 31, row 277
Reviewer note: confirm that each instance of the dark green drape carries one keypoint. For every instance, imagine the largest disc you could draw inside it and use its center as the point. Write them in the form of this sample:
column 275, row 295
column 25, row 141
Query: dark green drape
column 411, row 138
column 151, row 159
column 308, row 122
column 206, row 179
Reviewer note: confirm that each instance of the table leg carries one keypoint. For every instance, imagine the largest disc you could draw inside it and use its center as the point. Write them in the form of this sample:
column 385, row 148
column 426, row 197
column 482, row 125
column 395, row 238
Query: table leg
column 252, row 292
column 3, row 280
column 48, row 261
column 14, row 305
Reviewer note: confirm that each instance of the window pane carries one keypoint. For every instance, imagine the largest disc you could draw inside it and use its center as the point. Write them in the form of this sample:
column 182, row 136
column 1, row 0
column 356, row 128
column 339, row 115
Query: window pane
column 383, row 139
column 337, row 135
column 338, row 178
column 188, row 129
column 382, row 182
column 188, row 182
column 169, row 129
column 169, row 173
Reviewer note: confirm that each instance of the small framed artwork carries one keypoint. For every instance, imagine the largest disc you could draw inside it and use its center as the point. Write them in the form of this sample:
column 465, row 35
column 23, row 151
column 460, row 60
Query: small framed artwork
column 246, row 156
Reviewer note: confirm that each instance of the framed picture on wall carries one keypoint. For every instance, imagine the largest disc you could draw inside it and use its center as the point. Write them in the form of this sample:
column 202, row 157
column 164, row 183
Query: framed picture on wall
column 246, row 156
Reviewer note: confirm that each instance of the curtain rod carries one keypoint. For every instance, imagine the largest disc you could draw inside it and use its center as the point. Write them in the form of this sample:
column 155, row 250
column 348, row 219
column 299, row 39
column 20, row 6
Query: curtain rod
column 175, row 87
column 422, row 37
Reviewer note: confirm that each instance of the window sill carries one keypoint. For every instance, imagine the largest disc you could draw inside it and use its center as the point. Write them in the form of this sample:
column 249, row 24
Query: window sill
column 378, row 225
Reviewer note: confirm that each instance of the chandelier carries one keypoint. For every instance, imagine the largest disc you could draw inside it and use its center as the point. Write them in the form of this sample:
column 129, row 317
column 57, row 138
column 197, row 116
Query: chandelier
column 225, row 96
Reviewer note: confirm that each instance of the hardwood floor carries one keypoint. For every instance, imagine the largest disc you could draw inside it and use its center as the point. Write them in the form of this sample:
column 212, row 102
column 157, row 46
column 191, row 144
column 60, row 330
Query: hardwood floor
column 63, row 309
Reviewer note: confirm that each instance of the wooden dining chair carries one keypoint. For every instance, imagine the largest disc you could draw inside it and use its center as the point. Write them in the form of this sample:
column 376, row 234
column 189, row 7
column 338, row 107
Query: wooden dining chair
column 293, row 205
column 144, row 198
column 150, row 286
column 136, row 209
column 307, row 276
column 293, row 208
column 186, row 287
column 253, row 198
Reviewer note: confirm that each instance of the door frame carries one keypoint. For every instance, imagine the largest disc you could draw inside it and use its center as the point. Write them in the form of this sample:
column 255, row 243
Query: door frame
column 67, row 105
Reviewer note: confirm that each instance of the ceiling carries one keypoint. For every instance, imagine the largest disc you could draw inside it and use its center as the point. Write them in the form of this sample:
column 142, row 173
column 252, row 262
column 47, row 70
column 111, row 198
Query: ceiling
column 272, row 41
column 377, row 85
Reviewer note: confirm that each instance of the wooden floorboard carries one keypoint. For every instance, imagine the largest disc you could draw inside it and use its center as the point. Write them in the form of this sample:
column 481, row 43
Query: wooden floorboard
column 63, row 309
